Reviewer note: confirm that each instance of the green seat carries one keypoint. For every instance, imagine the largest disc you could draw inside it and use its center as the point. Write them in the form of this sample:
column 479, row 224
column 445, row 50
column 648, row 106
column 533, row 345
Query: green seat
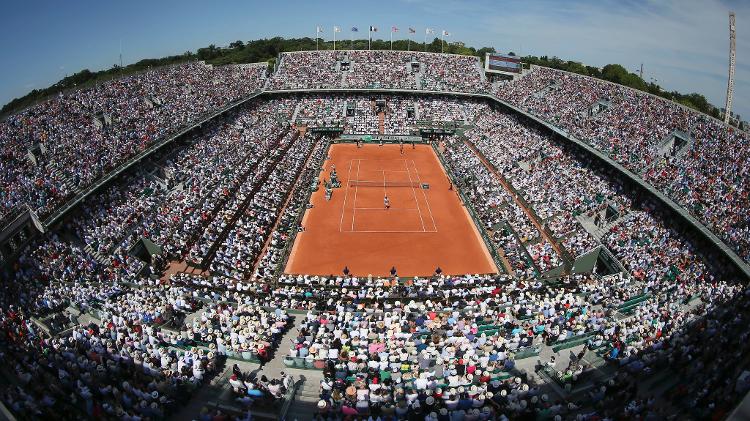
column 572, row 342
column 527, row 352
column 634, row 301
column 503, row 376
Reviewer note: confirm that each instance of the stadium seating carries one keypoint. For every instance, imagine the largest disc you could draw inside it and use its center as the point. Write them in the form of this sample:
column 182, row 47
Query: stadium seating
column 90, row 328
column 704, row 172
column 377, row 69
column 117, row 119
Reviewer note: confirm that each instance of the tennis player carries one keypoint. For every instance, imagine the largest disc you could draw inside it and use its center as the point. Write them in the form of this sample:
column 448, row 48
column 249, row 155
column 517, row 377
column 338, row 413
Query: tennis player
column 386, row 202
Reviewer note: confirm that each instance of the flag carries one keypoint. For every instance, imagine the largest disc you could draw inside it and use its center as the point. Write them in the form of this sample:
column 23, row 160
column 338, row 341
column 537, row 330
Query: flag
column 412, row 31
column 336, row 29
column 355, row 29
column 373, row 29
column 446, row 33
column 394, row 29
column 320, row 29
column 429, row 31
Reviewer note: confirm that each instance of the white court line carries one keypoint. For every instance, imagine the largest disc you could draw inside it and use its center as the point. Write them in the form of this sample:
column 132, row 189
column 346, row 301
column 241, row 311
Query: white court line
column 382, row 209
column 415, row 195
column 378, row 160
column 356, row 189
column 395, row 232
column 419, row 180
column 346, row 194
column 385, row 191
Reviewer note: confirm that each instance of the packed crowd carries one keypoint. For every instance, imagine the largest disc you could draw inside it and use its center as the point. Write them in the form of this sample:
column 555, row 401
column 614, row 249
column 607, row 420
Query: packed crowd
column 290, row 221
column 555, row 184
column 401, row 115
column 513, row 231
column 409, row 359
column 117, row 119
column 441, row 347
column 377, row 69
column 706, row 172
column 247, row 237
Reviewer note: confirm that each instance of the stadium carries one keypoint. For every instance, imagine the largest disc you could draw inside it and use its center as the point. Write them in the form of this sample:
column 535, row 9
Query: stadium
column 357, row 234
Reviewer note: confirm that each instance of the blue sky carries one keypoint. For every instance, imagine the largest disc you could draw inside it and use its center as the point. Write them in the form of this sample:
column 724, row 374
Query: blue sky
column 682, row 43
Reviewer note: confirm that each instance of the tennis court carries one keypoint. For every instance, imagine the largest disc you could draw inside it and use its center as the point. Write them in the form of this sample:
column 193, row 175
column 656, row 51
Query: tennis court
column 425, row 227
column 369, row 181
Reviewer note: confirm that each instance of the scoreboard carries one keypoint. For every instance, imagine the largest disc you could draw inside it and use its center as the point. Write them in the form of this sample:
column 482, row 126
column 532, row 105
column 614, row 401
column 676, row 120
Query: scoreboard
column 502, row 63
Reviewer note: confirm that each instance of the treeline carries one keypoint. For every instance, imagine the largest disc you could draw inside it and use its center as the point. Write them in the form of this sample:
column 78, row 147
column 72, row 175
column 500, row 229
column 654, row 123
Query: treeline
column 266, row 50
column 618, row 74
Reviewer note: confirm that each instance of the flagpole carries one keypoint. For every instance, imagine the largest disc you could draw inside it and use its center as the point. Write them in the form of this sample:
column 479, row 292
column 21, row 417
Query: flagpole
column 369, row 38
column 316, row 38
column 442, row 41
column 334, row 39
column 391, row 39
column 424, row 44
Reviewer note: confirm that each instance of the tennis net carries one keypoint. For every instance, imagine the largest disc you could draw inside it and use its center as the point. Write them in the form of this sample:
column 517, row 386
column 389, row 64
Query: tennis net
column 359, row 183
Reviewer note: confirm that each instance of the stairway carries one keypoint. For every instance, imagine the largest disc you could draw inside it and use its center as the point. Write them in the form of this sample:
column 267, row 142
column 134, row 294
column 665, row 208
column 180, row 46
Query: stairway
column 465, row 116
column 344, row 79
column 56, row 173
column 296, row 111
column 381, row 122
column 598, row 231
column 305, row 402
column 480, row 69
column 418, row 77
column 96, row 255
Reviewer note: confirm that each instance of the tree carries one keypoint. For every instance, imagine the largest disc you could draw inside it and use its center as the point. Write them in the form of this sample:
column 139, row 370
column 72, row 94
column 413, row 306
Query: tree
column 593, row 71
column 576, row 67
column 482, row 52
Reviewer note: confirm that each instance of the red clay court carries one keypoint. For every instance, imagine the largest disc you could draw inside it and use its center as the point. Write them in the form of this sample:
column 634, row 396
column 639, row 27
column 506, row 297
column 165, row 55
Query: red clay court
column 422, row 229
